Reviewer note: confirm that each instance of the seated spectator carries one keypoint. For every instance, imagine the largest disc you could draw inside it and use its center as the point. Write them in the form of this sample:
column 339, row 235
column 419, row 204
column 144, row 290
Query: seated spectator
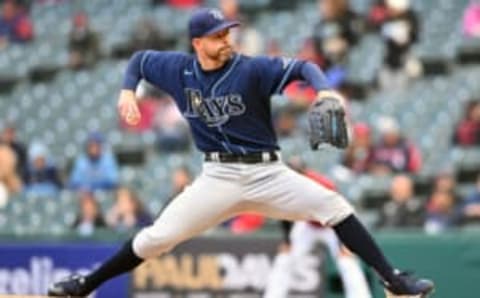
column 467, row 132
column 471, row 20
column 273, row 48
column 470, row 210
column 441, row 212
column 128, row 211
column 15, row 24
column 246, row 223
column 10, row 182
column 83, row 44
column 377, row 14
column 96, row 169
column 42, row 176
column 285, row 121
column 145, row 36
column 403, row 210
column 89, row 217
column 400, row 31
column 247, row 39
column 338, row 30
column 10, row 138
column 181, row 178
column 394, row 153
column 300, row 93
column 358, row 156
column 171, row 128
column 446, row 182
column 149, row 100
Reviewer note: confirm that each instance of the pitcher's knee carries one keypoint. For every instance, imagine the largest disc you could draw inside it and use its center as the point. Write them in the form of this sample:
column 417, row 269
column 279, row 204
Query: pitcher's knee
column 338, row 210
column 150, row 242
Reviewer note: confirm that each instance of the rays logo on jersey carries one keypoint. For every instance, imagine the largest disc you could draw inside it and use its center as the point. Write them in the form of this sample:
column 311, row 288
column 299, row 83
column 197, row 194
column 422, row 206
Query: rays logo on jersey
column 214, row 111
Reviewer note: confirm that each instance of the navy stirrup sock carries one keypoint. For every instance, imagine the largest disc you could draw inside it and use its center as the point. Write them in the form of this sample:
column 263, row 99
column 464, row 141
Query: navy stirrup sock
column 356, row 238
column 123, row 261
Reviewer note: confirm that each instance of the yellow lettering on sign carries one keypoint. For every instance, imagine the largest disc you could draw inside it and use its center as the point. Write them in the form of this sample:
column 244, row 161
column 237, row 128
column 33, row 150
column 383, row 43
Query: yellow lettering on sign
column 179, row 273
column 149, row 272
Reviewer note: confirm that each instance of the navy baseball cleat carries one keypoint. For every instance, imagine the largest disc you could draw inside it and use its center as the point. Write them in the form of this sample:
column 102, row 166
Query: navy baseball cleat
column 73, row 286
column 405, row 284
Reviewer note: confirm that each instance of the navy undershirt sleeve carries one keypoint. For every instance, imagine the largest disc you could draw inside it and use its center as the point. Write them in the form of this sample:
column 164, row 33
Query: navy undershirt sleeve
column 312, row 74
column 159, row 68
column 278, row 72
column 133, row 74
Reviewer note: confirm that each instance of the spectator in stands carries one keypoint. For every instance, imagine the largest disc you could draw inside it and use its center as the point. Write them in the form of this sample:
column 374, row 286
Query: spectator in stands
column 149, row 100
column 441, row 212
column 468, row 131
column 248, row 40
column 309, row 52
column 171, row 129
column 9, row 137
column 377, row 14
column 181, row 178
column 128, row 211
column 273, row 48
column 403, row 209
column 97, row 169
column 15, row 24
column 358, row 156
column 9, row 180
column 338, row 30
column 471, row 20
column 470, row 210
column 394, row 153
column 42, row 177
column 83, row 44
column 145, row 36
column 89, row 217
column 49, row 2
column 285, row 121
column 400, row 31
column 446, row 182
column 24, row 5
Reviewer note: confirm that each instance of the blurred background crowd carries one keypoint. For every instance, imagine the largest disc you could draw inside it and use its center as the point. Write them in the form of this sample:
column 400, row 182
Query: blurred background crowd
column 409, row 69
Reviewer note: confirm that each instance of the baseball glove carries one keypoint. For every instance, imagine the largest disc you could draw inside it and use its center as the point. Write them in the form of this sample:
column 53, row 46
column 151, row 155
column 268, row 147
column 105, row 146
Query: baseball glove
column 327, row 124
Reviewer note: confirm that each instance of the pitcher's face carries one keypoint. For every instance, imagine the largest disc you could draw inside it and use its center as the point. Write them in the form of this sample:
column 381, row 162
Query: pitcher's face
column 217, row 47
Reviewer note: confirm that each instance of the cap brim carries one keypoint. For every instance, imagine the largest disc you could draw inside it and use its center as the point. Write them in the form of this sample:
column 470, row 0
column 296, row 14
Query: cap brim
column 222, row 26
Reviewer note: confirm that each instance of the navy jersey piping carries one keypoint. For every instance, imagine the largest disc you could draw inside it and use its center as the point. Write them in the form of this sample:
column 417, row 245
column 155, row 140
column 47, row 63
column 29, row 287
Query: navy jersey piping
column 226, row 144
column 285, row 76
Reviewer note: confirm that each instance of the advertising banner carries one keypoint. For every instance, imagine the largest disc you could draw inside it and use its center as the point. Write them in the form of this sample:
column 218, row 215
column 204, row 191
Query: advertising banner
column 28, row 269
column 224, row 268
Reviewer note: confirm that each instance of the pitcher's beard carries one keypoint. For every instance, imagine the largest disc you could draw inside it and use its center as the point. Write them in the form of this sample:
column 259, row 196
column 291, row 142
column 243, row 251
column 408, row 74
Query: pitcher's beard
column 223, row 55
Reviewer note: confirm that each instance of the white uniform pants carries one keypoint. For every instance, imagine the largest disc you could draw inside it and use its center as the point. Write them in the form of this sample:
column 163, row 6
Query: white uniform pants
column 225, row 189
column 303, row 239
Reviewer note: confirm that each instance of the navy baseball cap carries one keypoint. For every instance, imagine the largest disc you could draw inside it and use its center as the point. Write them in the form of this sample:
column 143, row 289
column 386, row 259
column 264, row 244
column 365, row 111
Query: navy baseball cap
column 206, row 21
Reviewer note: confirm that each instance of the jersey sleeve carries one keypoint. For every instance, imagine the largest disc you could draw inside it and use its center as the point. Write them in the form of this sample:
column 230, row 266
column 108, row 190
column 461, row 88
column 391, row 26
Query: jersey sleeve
column 274, row 73
column 161, row 69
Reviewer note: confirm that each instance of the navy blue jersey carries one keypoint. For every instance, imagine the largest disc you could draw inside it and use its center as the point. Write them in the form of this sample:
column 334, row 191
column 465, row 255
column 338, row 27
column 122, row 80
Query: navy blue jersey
column 228, row 109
